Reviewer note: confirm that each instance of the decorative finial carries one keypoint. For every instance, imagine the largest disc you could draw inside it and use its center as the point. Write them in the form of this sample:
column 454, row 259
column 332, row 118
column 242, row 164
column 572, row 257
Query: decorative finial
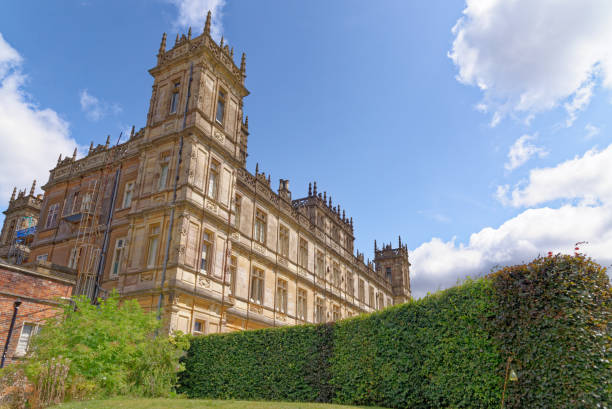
column 256, row 168
column 232, row 53
column 309, row 189
column 189, row 34
column 314, row 191
column 399, row 240
column 268, row 178
column 13, row 195
column 375, row 247
column 221, row 43
column 246, row 122
column 343, row 215
column 32, row 188
column 207, row 24
column 325, row 196
column 132, row 131
column 243, row 63
column 91, row 147
column 74, row 154
column 351, row 221
column 177, row 40
column 107, row 141
column 330, row 201
column 59, row 159
column 162, row 46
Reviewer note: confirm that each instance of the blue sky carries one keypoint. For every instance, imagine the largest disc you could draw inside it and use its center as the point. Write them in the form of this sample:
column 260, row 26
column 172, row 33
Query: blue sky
column 484, row 145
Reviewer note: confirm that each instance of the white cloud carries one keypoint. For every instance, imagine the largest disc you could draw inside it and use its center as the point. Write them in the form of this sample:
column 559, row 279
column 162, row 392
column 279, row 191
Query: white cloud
column 96, row 109
column 591, row 130
column 529, row 56
column 521, row 151
column 26, row 130
column 192, row 13
column 535, row 231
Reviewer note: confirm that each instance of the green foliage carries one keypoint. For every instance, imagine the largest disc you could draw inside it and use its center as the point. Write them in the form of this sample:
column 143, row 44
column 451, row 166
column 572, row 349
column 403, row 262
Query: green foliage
column 112, row 350
column 553, row 318
column 448, row 350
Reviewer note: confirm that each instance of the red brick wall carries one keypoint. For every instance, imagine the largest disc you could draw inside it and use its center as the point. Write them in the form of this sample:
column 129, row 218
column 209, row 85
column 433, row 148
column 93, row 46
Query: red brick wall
column 39, row 296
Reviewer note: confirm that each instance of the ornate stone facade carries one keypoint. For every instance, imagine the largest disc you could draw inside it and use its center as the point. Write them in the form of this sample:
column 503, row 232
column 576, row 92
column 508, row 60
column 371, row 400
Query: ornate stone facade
column 21, row 218
column 241, row 255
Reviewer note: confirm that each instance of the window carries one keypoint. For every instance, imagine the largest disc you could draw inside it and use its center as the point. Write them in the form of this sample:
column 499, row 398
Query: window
column 41, row 258
column 153, row 245
column 220, row 107
column 233, row 271
column 127, row 194
column 388, row 274
column 260, row 226
column 163, row 176
column 237, row 211
column 335, row 232
column 302, row 306
column 27, row 332
column 361, row 290
column 257, row 286
column 73, row 260
column 281, row 296
column 205, row 262
column 283, row 239
column 199, row 327
column 52, row 215
column 117, row 257
column 75, row 202
column 213, row 179
column 320, row 265
column 320, row 310
column 371, row 297
column 86, row 203
column 336, row 314
column 174, row 100
column 336, row 275
column 350, row 284
column 303, row 255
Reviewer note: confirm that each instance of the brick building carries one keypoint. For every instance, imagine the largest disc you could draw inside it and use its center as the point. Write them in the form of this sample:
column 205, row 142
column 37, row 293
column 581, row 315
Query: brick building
column 39, row 292
column 174, row 211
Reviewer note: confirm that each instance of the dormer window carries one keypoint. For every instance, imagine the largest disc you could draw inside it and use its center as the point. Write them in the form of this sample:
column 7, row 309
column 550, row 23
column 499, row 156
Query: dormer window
column 220, row 107
column 175, row 98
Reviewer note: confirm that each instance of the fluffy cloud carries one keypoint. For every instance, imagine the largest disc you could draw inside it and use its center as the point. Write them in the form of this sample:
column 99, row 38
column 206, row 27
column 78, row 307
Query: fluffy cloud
column 26, row 130
column 96, row 109
column 591, row 131
column 521, row 151
column 529, row 56
column 585, row 183
column 192, row 13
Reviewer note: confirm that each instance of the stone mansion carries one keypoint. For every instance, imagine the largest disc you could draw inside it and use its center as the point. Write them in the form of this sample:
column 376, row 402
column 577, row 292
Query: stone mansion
column 172, row 218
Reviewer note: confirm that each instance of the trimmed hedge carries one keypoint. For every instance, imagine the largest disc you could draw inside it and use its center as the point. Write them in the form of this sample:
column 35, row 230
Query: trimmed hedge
column 448, row 350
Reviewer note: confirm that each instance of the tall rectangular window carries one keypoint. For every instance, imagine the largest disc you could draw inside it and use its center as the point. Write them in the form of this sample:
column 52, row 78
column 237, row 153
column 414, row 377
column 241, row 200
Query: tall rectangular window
column 302, row 306
column 281, row 296
column 52, row 215
column 257, row 286
column 388, row 274
column 350, row 284
column 336, row 314
column 73, row 260
column 371, row 296
column 27, row 332
column 127, row 194
column 174, row 100
column 117, row 257
column 303, row 255
column 320, row 265
column 205, row 260
column 153, row 245
column 233, row 273
column 336, row 275
column 220, row 107
column 75, row 203
column 237, row 211
column 361, row 290
column 213, row 179
column 320, row 310
column 260, row 226
column 163, row 176
column 283, row 241
column 86, row 203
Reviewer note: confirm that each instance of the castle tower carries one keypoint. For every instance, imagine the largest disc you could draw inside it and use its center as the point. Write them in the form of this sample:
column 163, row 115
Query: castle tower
column 19, row 225
column 393, row 264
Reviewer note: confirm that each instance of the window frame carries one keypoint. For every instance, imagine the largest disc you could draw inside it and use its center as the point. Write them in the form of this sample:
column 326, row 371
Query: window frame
column 220, row 107
column 261, row 226
column 283, row 241
column 203, row 329
column 128, row 192
column 206, row 247
column 282, row 292
column 117, row 257
column 257, row 284
column 237, row 210
column 303, row 253
column 152, row 250
column 52, row 212
column 165, row 172
column 301, row 309
column 175, row 98
column 35, row 330
column 320, row 264
column 320, row 310
column 213, row 179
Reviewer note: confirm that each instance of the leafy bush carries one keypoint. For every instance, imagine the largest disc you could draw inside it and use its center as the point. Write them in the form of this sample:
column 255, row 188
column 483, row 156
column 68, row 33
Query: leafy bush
column 551, row 318
column 554, row 321
column 111, row 349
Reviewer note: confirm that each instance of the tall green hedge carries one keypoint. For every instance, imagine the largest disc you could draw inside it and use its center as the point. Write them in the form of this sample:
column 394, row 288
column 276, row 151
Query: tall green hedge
column 548, row 322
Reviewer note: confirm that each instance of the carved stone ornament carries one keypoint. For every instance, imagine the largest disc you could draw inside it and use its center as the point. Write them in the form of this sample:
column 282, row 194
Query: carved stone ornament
column 204, row 282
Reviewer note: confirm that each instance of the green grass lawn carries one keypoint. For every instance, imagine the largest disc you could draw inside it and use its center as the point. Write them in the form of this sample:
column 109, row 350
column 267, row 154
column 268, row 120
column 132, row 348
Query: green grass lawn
column 128, row 403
